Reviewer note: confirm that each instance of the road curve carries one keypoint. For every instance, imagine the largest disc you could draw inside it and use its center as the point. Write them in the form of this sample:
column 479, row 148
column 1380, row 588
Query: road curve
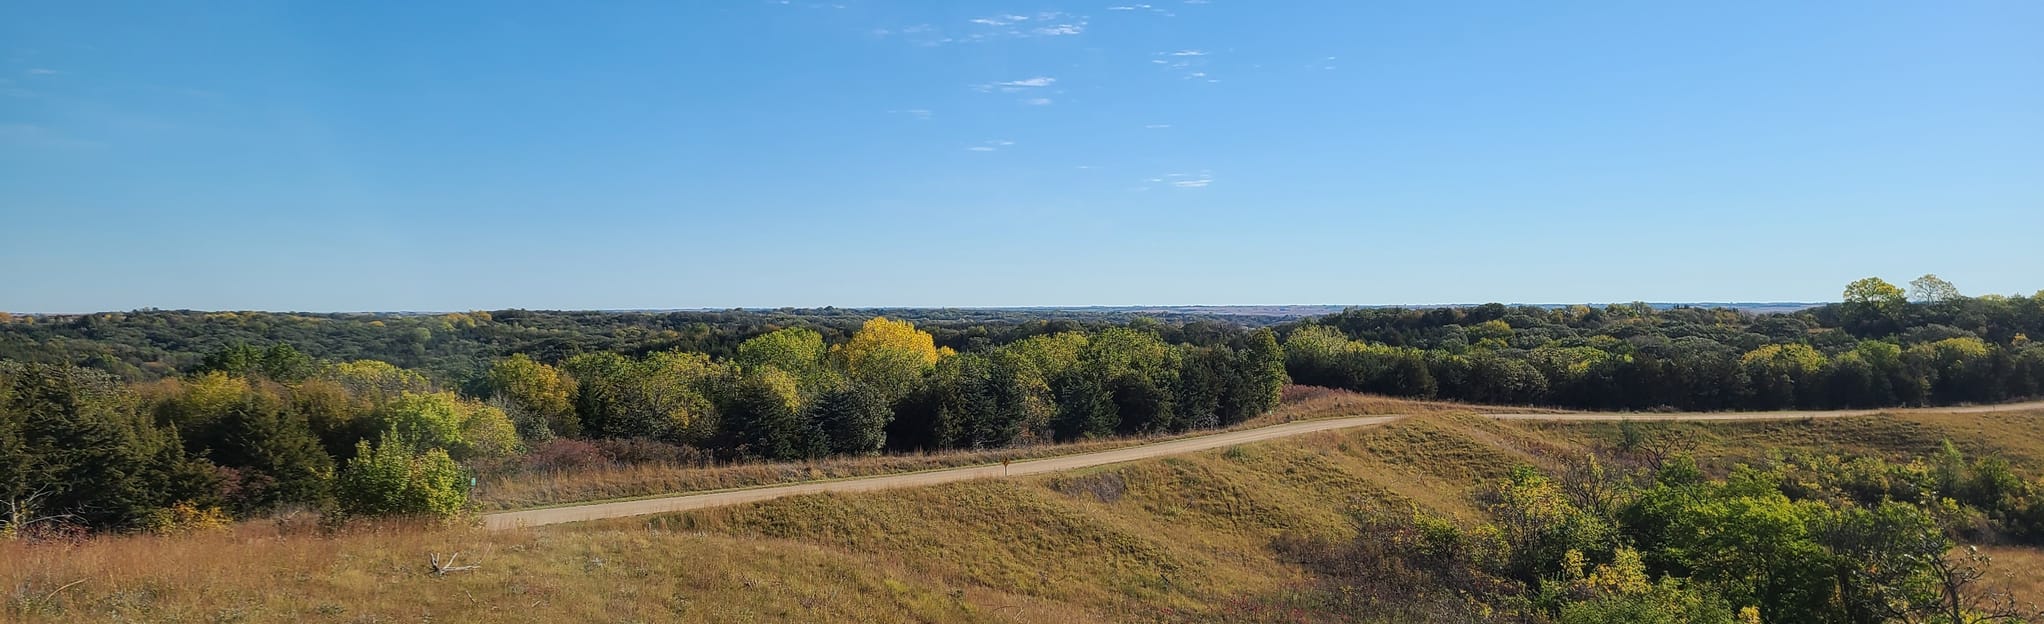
column 620, row 509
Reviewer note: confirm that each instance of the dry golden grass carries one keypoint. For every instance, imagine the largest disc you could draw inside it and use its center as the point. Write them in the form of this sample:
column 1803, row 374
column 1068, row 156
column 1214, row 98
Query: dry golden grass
column 539, row 489
column 2016, row 435
column 380, row 574
column 2017, row 571
column 1185, row 538
column 1308, row 402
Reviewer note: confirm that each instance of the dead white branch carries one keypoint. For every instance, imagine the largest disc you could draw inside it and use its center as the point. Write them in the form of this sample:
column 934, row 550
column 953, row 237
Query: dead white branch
column 440, row 569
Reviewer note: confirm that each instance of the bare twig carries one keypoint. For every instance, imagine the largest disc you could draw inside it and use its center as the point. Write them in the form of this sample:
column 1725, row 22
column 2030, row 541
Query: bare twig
column 53, row 593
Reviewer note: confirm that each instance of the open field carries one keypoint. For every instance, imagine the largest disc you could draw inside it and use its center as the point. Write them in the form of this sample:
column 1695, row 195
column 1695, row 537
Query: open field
column 1180, row 538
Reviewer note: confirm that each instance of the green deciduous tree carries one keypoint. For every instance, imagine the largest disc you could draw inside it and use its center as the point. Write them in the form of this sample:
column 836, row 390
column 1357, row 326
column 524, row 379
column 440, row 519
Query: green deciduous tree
column 1875, row 305
column 392, row 477
column 797, row 350
column 374, row 380
column 665, row 396
column 1932, row 289
column 539, row 396
column 441, row 420
column 1621, row 592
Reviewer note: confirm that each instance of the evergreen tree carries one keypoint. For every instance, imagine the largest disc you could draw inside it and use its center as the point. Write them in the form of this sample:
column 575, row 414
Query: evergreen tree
column 70, row 439
column 853, row 419
column 279, row 458
column 761, row 419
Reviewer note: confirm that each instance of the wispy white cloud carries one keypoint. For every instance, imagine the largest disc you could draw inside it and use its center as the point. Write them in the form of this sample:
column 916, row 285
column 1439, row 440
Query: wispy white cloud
column 1041, row 101
column 1000, row 20
column 40, row 71
column 1188, row 64
column 1015, row 26
column 918, row 113
column 1014, row 86
column 1183, row 180
column 1146, row 8
column 909, row 30
column 989, row 146
column 1156, row 126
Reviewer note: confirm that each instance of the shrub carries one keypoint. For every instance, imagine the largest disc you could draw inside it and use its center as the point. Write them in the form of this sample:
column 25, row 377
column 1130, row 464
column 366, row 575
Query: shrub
column 564, row 454
column 390, row 478
column 185, row 518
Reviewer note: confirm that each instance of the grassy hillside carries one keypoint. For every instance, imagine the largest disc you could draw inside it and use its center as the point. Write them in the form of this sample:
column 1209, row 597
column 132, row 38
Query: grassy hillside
column 1186, row 538
column 510, row 486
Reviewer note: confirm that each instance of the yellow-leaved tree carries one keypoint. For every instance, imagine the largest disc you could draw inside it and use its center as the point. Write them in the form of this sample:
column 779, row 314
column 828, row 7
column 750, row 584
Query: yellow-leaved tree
column 540, row 397
column 889, row 355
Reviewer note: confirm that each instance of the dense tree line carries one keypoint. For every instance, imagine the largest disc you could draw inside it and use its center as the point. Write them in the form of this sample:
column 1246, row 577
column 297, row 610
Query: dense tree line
column 1880, row 347
column 1616, row 538
column 252, row 429
column 452, row 348
column 790, row 394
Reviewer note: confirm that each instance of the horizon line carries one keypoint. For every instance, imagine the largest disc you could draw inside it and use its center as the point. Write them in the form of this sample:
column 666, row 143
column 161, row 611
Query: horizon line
column 1105, row 307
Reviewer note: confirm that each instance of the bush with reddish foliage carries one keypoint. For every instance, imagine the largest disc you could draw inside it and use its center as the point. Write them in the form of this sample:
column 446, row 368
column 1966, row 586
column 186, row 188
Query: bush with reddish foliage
column 564, row 454
column 642, row 451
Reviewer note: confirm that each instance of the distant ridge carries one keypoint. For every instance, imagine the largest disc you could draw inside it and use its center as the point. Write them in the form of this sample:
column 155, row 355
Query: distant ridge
column 1296, row 311
column 1279, row 311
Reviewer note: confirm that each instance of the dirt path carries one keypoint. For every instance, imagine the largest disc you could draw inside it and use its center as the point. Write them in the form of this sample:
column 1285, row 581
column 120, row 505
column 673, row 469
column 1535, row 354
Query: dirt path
column 620, row 509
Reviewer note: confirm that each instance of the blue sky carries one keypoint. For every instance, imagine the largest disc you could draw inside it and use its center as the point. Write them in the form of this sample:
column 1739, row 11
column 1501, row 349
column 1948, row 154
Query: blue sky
column 378, row 156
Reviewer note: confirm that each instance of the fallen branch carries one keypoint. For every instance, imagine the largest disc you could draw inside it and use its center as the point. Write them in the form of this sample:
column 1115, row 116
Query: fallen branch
column 440, row 569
